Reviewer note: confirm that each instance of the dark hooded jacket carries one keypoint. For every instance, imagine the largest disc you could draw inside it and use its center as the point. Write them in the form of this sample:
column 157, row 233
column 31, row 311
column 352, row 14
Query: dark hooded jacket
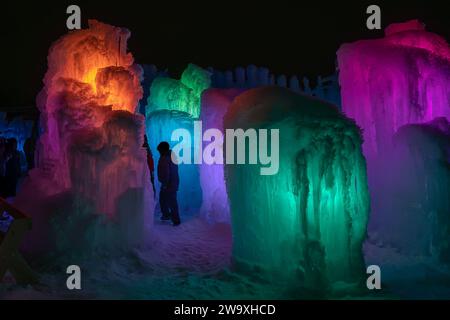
column 168, row 173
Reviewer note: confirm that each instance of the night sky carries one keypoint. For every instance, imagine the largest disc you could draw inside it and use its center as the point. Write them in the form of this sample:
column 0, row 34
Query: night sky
column 288, row 40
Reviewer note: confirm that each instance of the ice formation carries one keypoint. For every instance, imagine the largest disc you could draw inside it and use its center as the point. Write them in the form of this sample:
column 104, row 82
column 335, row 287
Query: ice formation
column 307, row 223
column 175, row 104
column 400, row 79
column 90, row 152
column 327, row 88
column 416, row 204
column 387, row 84
column 180, row 95
column 19, row 129
column 215, row 205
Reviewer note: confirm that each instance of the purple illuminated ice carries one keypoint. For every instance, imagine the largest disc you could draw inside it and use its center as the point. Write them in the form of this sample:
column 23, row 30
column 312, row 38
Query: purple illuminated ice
column 399, row 79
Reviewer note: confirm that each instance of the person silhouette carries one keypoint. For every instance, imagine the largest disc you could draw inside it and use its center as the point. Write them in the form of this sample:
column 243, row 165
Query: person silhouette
column 169, row 179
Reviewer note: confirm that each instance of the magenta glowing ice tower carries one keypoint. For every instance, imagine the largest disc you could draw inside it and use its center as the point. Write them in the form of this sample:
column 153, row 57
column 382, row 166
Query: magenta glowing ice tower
column 389, row 86
column 390, row 82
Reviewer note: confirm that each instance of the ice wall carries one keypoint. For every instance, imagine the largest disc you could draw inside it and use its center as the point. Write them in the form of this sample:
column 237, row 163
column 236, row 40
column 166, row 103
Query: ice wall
column 305, row 224
column 400, row 79
column 90, row 151
column 387, row 84
column 416, row 208
column 215, row 205
column 326, row 88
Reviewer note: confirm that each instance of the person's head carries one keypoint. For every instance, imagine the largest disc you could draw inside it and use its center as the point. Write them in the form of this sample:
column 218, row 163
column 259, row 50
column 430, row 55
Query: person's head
column 163, row 148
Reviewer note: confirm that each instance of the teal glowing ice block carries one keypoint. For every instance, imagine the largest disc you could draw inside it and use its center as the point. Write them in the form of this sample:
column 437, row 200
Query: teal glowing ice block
column 305, row 224
column 180, row 95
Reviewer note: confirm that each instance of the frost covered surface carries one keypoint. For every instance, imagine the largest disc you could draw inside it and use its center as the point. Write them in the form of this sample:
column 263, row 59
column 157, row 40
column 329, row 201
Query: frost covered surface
column 215, row 204
column 400, row 79
column 307, row 223
column 190, row 262
column 91, row 173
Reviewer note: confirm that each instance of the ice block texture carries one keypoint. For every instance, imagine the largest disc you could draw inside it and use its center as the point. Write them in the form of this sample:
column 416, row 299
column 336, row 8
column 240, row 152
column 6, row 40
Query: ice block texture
column 400, row 79
column 307, row 223
column 415, row 211
column 91, row 145
column 215, row 204
column 179, row 95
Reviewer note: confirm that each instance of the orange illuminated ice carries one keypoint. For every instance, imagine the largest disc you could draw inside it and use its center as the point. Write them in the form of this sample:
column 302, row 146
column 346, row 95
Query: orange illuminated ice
column 96, row 60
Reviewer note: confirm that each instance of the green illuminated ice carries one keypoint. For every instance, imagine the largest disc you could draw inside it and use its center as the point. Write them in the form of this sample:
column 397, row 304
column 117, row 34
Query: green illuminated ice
column 180, row 95
column 306, row 224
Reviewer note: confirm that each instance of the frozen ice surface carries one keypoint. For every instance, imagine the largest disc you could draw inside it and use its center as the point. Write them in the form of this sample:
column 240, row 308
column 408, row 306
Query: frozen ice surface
column 396, row 80
column 305, row 224
column 193, row 262
column 393, row 88
column 182, row 95
column 215, row 205
column 414, row 216
column 189, row 262
column 91, row 183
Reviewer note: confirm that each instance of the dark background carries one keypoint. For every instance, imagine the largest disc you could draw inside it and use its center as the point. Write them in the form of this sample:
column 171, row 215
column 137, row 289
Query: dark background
column 297, row 38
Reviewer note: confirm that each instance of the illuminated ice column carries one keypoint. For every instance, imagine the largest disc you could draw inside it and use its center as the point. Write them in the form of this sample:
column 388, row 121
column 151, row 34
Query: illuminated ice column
column 175, row 104
column 399, row 79
column 215, row 205
column 306, row 223
column 91, row 146
column 88, row 75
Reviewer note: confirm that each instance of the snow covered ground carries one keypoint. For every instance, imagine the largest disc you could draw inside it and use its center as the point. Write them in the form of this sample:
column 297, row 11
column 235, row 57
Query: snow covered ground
column 193, row 261
column 407, row 276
